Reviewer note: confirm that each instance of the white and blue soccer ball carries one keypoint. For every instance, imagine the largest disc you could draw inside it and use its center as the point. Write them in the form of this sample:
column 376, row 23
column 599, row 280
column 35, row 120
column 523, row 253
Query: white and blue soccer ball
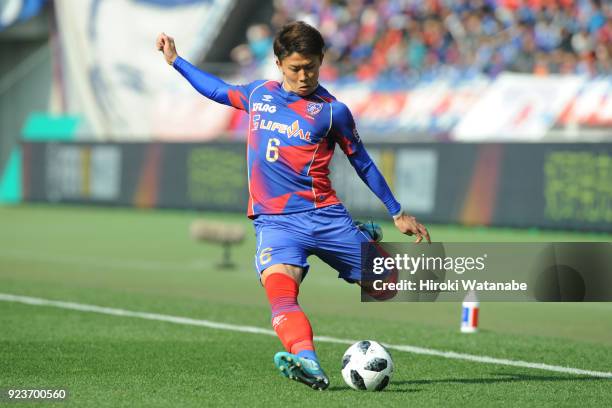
column 367, row 365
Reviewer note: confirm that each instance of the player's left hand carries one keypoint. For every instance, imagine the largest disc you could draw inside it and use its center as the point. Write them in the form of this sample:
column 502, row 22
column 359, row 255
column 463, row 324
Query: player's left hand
column 408, row 225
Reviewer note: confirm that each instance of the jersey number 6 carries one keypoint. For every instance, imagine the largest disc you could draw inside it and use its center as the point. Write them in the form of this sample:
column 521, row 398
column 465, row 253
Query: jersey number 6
column 265, row 256
column 272, row 151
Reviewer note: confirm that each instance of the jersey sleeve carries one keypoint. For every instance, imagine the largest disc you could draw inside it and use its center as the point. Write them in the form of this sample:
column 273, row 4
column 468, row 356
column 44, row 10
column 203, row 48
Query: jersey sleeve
column 215, row 88
column 346, row 135
column 344, row 130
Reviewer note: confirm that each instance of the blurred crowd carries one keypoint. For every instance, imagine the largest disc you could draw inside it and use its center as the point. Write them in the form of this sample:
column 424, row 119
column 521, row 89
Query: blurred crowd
column 374, row 39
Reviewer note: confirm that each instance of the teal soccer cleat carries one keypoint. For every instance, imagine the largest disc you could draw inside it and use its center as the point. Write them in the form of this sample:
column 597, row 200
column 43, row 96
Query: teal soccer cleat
column 304, row 370
column 371, row 229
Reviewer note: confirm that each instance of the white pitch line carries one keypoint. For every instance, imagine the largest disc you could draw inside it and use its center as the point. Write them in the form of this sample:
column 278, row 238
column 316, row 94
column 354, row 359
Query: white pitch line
column 258, row 330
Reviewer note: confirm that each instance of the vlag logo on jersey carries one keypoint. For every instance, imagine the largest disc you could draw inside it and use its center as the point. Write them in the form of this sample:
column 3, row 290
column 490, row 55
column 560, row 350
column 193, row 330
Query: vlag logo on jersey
column 264, row 107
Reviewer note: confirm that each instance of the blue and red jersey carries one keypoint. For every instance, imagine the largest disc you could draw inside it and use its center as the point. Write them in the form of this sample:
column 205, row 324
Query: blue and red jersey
column 291, row 141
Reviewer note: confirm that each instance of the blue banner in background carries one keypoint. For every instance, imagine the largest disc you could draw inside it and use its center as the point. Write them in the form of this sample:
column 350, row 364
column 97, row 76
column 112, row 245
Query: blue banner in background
column 15, row 11
column 124, row 83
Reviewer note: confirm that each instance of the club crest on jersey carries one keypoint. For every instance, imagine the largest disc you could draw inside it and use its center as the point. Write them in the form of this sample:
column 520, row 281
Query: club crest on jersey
column 313, row 108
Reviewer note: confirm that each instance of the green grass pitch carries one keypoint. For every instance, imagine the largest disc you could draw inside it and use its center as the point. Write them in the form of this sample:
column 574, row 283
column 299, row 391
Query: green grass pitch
column 144, row 261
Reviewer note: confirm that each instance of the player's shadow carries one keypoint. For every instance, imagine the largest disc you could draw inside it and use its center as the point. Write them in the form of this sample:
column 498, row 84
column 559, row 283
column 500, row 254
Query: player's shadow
column 389, row 389
column 504, row 378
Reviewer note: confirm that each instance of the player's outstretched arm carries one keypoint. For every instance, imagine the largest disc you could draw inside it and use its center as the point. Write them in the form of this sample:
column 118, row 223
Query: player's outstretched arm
column 210, row 86
column 372, row 177
column 348, row 138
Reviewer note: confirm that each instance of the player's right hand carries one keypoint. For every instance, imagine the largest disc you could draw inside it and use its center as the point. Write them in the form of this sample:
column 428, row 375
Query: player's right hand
column 166, row 45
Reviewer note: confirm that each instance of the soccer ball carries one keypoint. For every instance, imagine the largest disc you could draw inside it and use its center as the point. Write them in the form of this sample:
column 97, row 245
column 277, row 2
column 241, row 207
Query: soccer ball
column 367, row 365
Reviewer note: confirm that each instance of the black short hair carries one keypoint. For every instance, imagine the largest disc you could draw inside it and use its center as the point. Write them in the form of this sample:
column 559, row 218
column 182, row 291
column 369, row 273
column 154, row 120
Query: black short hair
column 298, row 37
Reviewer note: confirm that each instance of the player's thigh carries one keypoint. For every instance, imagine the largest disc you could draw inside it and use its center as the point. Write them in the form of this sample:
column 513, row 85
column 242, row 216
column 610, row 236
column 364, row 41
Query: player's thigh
column 279, row 249
column 340, row 246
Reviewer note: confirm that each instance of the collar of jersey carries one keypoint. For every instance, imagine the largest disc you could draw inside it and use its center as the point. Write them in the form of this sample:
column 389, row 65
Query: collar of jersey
column 291, row 94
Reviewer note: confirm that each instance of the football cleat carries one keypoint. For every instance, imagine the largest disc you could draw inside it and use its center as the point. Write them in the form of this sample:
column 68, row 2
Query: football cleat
column 371, row 229
column 303, row 370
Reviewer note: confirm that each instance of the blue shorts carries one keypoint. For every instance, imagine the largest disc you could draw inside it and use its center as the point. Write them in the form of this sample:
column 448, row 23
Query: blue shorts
column 328, row 232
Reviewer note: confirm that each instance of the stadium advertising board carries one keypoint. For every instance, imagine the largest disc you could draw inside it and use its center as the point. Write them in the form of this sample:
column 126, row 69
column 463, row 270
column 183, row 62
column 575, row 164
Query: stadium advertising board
column 73, row 172
column 513, row 185
column 208, row 177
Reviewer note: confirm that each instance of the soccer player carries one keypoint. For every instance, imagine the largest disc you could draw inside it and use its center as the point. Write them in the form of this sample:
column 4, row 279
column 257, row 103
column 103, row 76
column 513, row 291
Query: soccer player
column 293, row 129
